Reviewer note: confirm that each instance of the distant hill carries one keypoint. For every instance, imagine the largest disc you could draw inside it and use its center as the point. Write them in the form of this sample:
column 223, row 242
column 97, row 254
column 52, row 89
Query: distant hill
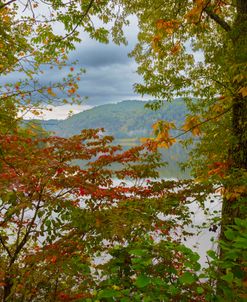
column 127, row 119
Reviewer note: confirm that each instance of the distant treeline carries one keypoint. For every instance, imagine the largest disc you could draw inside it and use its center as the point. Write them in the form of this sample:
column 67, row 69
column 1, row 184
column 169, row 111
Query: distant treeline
column 127, row 121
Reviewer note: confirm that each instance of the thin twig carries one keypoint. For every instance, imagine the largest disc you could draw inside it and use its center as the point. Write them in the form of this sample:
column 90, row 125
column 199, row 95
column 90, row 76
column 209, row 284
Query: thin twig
column 77, row 25
column 205, row 121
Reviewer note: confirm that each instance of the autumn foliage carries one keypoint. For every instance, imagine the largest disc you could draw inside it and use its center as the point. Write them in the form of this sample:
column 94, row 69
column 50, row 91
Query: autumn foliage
column 61, row 209
column 82, row 220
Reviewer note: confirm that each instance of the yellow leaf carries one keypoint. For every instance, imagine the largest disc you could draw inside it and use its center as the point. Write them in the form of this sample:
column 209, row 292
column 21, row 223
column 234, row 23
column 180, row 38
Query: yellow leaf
column 196, row 131
column 35, row 112
column 238, row 78
column 155, row 42
column 218, row 108
column 143, row 140
column 192, row 124
column 167, row 143
column 98, row 222
column 6, row 19
column 243, row 91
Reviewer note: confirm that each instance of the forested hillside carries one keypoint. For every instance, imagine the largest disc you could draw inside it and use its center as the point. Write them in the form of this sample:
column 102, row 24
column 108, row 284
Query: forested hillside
column 128, row 122
column 127, row 119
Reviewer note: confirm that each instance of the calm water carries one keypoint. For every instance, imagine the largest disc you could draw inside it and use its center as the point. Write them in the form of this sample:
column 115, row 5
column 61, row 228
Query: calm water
column 204, row 237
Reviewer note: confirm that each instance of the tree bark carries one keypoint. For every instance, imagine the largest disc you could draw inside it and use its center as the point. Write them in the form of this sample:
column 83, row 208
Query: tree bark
column 239, row 117
column 7, row 289
column 235, row 208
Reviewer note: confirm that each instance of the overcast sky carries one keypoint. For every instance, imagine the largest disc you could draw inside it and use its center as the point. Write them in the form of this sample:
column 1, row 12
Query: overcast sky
column 110, row 73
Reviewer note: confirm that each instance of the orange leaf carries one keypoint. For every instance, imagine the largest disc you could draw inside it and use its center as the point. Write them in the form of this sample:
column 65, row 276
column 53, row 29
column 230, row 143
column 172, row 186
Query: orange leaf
column 53, row 259
column 51, row 92
column 176, row 48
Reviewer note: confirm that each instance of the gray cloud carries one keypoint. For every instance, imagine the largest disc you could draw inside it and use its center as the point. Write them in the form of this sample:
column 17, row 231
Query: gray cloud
column 109, row 83
column 110, row 73
column 97, row 55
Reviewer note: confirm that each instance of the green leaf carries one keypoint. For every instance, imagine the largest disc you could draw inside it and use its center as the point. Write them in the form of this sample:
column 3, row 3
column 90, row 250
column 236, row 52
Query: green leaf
column 200, row 290
column 241, row 243
column 230, row 234
column 173, row 290
column 239, row 222
column 187, row 278
column 228, row 277
column 142, row 281
column 138, row 252
column 125, row 299
column 212, row 254
column 109, row 293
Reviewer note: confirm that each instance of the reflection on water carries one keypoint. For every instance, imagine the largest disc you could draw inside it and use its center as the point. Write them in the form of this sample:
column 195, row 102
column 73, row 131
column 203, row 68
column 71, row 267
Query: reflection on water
column 172, row 156
column 203, row 225
column 208, row 232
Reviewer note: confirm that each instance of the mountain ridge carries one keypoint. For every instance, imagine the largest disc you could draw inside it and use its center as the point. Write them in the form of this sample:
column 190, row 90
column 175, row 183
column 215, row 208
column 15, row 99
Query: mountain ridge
column 126, row 119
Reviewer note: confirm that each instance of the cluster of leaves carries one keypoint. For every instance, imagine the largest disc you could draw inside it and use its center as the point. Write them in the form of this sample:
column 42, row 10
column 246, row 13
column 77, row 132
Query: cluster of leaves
column 231, row 268
column 151, row 271
column 58, row 217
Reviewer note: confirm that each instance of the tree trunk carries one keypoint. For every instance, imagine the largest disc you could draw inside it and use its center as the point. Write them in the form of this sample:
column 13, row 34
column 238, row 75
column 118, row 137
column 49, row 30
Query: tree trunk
column 239, row 116
column 7, row 290
column 234, row 207
column 238, row 152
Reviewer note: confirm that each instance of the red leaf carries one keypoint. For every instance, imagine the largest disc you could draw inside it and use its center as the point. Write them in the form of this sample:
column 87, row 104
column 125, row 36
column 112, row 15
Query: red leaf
column 82, row 191
column 60, row 170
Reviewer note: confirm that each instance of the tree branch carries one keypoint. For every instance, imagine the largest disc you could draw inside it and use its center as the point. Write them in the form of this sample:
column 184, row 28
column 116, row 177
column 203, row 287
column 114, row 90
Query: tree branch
column 7, row 3
column 217, row 19
column 205, row 121
column 28, row 230
column 5, row 247
column 78, row 24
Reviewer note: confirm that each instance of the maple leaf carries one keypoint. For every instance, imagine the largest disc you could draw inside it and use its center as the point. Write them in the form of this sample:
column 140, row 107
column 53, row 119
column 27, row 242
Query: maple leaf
column 192, row 124
column 60, row 170
column 161, row 131
column 82, row 191
column 53, row 259
column 72, row 90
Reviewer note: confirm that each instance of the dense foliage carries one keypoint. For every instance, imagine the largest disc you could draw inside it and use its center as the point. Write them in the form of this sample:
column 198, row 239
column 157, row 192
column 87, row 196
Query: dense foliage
column 57, row 217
